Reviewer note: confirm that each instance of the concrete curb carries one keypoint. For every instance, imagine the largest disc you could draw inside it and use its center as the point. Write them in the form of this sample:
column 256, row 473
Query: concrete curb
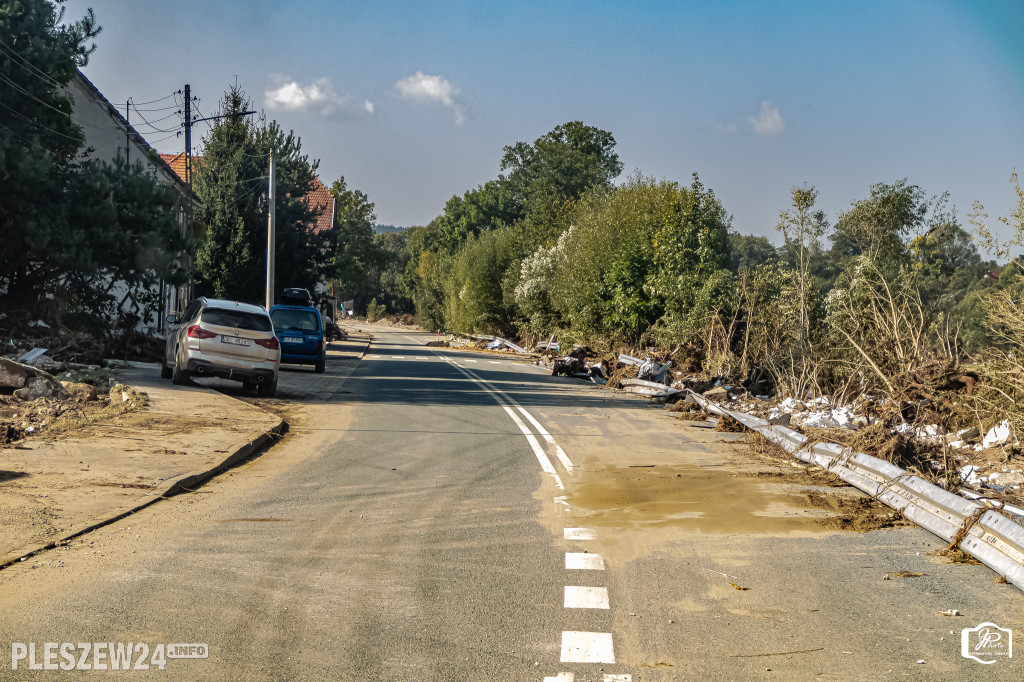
column 176, row 485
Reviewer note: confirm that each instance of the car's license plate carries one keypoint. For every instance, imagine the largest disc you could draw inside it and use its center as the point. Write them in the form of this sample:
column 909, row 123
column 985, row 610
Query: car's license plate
column 235, row 340
column 291, row 339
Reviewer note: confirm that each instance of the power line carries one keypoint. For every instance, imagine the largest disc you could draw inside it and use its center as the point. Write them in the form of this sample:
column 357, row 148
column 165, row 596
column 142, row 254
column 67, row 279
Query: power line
column 29, row 66
column 162, row 139
column 175, row 106
column 157, row 129
column 40, row 125
column 176, row 113
column 173, row 94
column 31, row 96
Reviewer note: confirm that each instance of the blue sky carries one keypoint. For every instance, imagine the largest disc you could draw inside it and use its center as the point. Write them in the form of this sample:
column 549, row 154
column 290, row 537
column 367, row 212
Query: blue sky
column 413, row 101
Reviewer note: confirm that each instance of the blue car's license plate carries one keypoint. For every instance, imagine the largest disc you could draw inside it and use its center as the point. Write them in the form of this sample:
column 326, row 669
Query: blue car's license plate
column 291, row 339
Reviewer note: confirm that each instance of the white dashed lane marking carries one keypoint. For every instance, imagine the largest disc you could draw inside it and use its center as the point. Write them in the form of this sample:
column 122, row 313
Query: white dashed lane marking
column 577, row 597
column 583, row 561
column 570, row 677
column 587, row 647
column 578, row 533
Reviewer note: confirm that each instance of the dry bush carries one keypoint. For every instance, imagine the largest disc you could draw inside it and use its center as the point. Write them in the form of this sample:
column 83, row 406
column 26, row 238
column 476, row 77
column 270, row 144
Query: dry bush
column 1000, row 389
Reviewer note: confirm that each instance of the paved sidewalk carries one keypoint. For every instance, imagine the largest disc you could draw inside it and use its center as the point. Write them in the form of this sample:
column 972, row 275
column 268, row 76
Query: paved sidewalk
column 52, row 490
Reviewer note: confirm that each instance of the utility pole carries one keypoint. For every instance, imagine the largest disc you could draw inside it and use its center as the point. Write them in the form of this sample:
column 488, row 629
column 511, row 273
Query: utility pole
column 127, row 133
column 271, row 236
column 189, row 122
column 188, row 135
column 189, row 209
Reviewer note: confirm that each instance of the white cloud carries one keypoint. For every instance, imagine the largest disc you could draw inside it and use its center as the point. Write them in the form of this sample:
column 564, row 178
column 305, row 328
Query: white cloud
column 423, row 88
column 319, row 97
column 768, row 122
column 727, row 128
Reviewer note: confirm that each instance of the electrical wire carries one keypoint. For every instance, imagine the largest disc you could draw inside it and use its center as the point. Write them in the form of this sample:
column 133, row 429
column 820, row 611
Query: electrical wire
column 29, row 66
column 173, row 94
column 162, row 139
column 176, row 113
column 40, row 125
column 156, row 128
column 19, row 135
column 175, row 106
column 31, row 96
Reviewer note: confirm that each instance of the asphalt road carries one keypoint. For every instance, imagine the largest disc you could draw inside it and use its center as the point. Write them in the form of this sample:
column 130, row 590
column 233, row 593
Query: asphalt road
column 408, row 529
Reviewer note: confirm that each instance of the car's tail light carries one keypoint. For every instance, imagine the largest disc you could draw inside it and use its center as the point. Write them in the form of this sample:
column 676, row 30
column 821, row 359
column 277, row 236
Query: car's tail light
column 270, row 344
column 319, row 344
column 197, row 332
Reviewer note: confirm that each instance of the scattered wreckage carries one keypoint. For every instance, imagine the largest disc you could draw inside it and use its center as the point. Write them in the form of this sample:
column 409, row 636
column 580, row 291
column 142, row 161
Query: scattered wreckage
column 36, row 391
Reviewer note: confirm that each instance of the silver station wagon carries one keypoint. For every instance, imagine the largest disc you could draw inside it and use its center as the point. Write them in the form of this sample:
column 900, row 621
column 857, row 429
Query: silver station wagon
column 227, row 339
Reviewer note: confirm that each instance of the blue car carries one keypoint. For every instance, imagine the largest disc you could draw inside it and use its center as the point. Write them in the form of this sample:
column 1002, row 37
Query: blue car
column 301, row 332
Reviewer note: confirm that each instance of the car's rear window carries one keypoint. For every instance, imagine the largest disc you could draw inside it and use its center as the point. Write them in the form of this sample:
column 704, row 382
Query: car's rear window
column 304, row 320
column 237, row 319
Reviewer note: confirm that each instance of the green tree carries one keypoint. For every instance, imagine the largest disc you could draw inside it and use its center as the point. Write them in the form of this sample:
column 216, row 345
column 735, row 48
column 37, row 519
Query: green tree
column 646, row 253
column 561, row 164
column 749, row 251
column 356, row 255
column 73, row 226
column 802, row 227
column 129, row 222
column 38, row 145
column 387, row 278
column 231, row 184
column 487, row 207
column 879, row 226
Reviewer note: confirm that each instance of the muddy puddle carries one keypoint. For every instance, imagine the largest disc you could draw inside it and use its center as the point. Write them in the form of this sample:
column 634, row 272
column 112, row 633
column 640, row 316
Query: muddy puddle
column 630, row 505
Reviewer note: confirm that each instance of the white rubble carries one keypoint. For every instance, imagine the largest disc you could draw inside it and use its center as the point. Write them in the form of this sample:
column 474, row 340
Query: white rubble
column 970, row 474
column 999, row 434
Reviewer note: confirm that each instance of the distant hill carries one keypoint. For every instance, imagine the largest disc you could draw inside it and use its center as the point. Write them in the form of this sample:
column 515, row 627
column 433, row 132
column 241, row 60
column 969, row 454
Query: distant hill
column 383, row 229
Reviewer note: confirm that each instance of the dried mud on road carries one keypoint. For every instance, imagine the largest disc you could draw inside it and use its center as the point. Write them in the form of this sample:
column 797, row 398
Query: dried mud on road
column 747, row 490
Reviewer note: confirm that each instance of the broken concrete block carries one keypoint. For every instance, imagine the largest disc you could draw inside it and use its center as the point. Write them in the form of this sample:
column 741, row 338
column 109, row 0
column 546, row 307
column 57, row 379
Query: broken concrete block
column 35, row 387
column 12, row 374
column 963, row 434
column 781, row 420
column 82, row 393
column 716, row 392
column 1007, row 478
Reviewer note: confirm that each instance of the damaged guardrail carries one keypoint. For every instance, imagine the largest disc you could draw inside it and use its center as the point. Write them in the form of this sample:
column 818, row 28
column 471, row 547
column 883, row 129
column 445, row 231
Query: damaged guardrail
column 984, row 532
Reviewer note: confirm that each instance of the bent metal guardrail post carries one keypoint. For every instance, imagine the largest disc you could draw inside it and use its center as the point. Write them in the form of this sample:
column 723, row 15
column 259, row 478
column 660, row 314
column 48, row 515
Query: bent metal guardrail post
column 986, row 534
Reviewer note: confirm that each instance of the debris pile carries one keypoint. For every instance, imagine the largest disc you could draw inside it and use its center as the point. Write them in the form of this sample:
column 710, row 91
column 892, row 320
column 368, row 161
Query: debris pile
column 33, row 401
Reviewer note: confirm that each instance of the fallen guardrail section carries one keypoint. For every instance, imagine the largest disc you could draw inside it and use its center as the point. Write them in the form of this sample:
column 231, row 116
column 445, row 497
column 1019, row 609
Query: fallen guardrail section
column 984, row 531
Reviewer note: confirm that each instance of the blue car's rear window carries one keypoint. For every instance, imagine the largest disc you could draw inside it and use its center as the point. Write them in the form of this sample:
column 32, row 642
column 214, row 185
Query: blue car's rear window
column 302, row 320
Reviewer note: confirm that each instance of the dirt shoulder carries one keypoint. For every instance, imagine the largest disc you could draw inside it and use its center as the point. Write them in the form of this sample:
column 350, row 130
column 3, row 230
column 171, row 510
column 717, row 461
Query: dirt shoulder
column 51, row 488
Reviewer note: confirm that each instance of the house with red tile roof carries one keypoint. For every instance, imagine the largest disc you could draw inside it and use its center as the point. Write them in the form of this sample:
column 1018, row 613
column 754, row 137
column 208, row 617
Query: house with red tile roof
column 319, row 198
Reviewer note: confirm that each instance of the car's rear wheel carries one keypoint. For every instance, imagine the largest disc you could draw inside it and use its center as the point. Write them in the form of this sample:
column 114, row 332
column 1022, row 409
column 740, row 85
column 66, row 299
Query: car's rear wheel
column 320, row 365
column 165, row 371
column 178, row 375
